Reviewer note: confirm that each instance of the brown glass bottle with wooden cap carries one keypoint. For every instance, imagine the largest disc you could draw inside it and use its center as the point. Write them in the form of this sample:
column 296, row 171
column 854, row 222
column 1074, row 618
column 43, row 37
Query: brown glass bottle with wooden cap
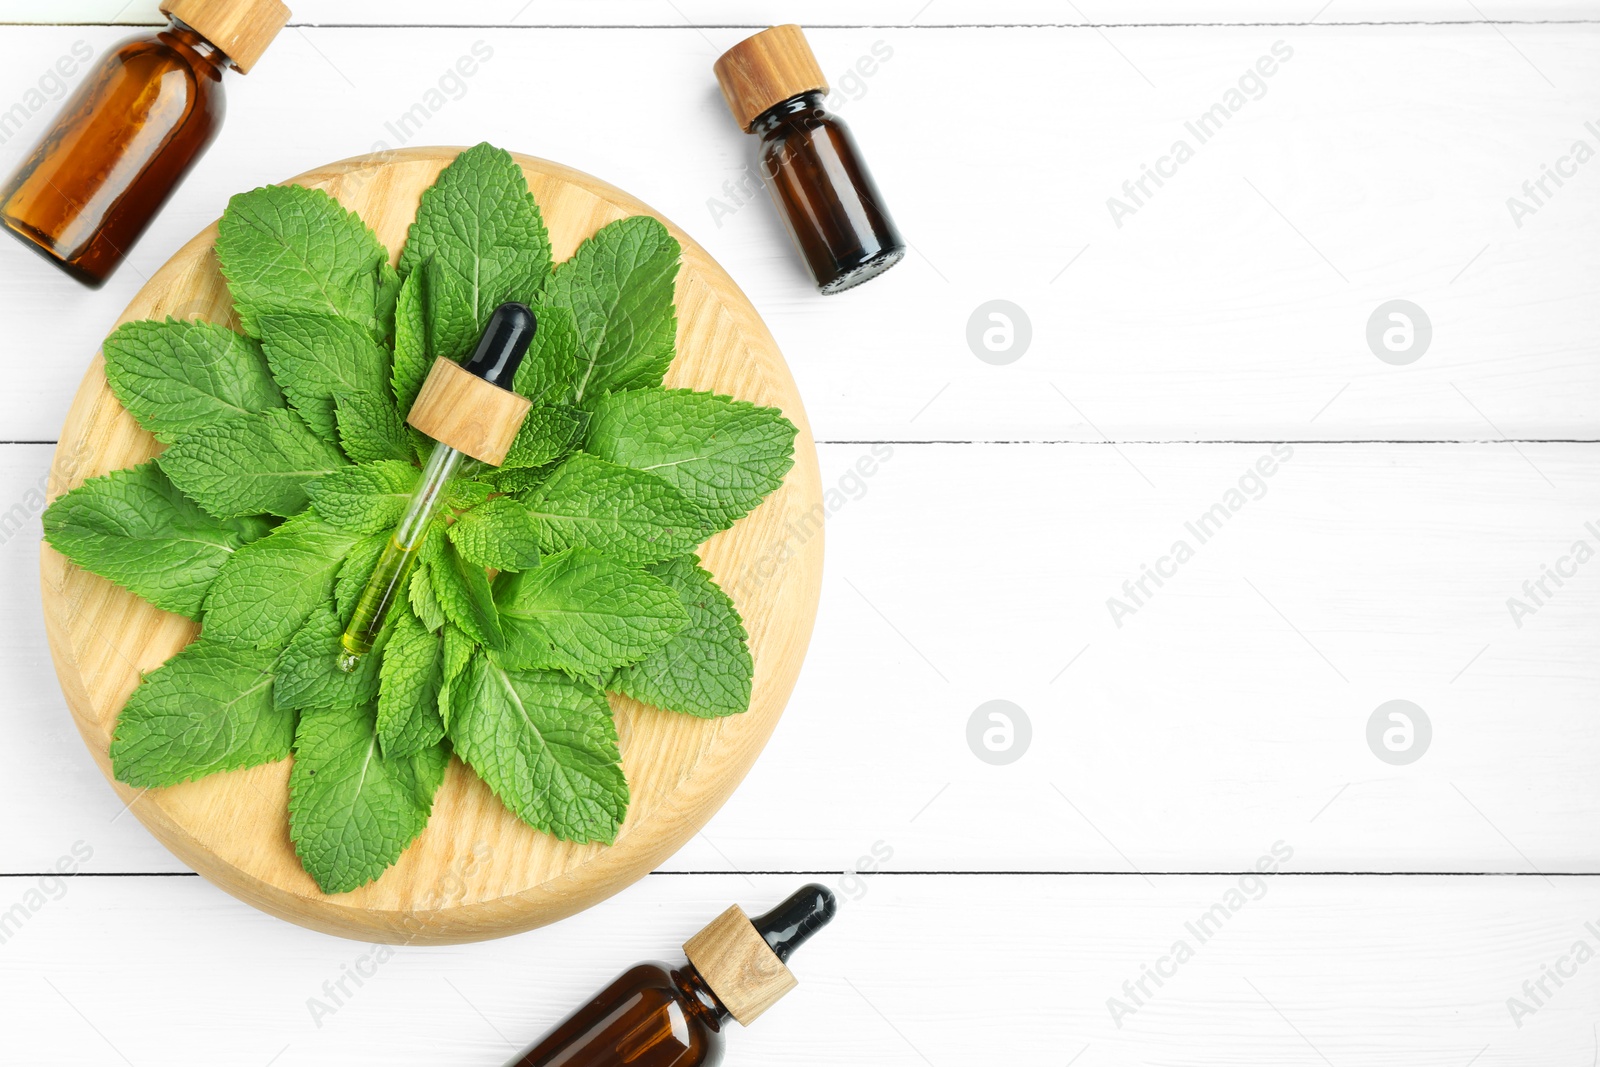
column 809, row 159
column 655, row 1015
column 131, row 132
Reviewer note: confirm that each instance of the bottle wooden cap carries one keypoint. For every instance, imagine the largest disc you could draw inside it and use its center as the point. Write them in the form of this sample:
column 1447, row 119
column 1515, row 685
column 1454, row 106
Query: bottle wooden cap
column 241, row 28
column 767, row 69
column 739, row 965
column 467, row 413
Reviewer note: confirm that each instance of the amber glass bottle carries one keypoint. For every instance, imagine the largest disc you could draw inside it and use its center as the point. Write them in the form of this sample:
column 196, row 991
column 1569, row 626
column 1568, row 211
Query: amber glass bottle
column 809, row 159
column 657, row 1016
column 130, row 133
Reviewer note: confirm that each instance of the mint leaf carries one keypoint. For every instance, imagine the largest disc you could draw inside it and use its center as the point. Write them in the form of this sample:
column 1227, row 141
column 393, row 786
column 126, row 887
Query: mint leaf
column 519, row 481
column 135, row 528
column 705, row 669
column 545, row 744
column 315, row 358
column 466, row 493
column 284, row 248
column 419, row 589
column 250, row 464
column 271, row 586
column 408, row 702
column 480, row 225
column 308, row 671
column 725, row 455
column 547, row 434
column 548, row 372
column 355, row 571
column 457, row 651
column 413, row 355
column 352, row 810
column 461, row 589
column 370, row 429
column 207, row 709
column 618, row 288
column 368, row 499
column 498, row 534
column 179, row 376
column 580, row 612
column 633, row 515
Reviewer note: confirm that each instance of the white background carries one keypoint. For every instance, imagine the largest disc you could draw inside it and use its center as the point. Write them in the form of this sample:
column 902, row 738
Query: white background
column 1227, row 715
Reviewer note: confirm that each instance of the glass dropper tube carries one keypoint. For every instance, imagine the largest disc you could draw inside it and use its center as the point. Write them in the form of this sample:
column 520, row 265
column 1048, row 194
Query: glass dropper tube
column 394, row 565
column 500, row 350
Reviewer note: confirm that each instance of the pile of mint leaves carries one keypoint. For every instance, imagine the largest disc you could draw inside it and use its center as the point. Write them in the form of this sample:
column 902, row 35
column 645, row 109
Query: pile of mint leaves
column 564, row 573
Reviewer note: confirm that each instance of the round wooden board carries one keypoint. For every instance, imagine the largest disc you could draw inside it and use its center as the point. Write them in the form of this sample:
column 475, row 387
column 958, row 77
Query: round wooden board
column 476, row 872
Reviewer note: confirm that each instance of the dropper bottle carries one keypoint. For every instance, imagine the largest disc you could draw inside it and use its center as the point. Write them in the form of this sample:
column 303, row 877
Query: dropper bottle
column 654, row 1015
column 141, row 119
column 470, row 410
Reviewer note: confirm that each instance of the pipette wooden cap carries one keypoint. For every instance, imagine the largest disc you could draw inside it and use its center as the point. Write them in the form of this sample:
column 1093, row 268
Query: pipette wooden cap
column 739, row 965
column 744, row 960
column 767, row 69
column 241, row 28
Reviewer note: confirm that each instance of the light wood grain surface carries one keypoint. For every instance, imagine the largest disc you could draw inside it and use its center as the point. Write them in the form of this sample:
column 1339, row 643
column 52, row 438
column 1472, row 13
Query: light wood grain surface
column 980, row 516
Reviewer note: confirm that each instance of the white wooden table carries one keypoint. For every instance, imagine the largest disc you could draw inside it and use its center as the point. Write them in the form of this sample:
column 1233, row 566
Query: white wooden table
column 1175, row 739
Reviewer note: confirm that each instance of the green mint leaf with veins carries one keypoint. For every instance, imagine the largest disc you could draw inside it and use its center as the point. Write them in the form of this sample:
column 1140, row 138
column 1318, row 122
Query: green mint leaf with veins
column 632, row 515
column 179, row 376
column 548, row 373
column 287, row 249
column 545, row 744
column 308, row 670
column 413, row 354
column 457, row 651
column 207, row 709
column 482, row 228
column 704, row 669
column 354, row 572
column 464, row 493
column 725, row 455
column 547, row 434
column 408, row 702
column 618, row 289
column 498, row 534
column 268, row 589
column 316, row 358
column 135, row 528
column 368, row 499
column 353, row 810
column 250, row 464
column 581, row 612
column 370, row 428
column 461, row 590
column 419, row 592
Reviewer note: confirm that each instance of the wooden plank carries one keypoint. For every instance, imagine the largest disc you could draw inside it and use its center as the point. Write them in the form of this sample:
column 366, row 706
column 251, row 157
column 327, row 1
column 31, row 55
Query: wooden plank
column 1389, row 972
column 1231, row 706
column 834, row 12
column 1234, row 304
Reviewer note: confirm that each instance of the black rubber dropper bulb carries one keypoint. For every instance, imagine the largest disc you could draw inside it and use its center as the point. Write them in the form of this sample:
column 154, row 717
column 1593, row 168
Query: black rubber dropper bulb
column 791, row 924
column 504, row 341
